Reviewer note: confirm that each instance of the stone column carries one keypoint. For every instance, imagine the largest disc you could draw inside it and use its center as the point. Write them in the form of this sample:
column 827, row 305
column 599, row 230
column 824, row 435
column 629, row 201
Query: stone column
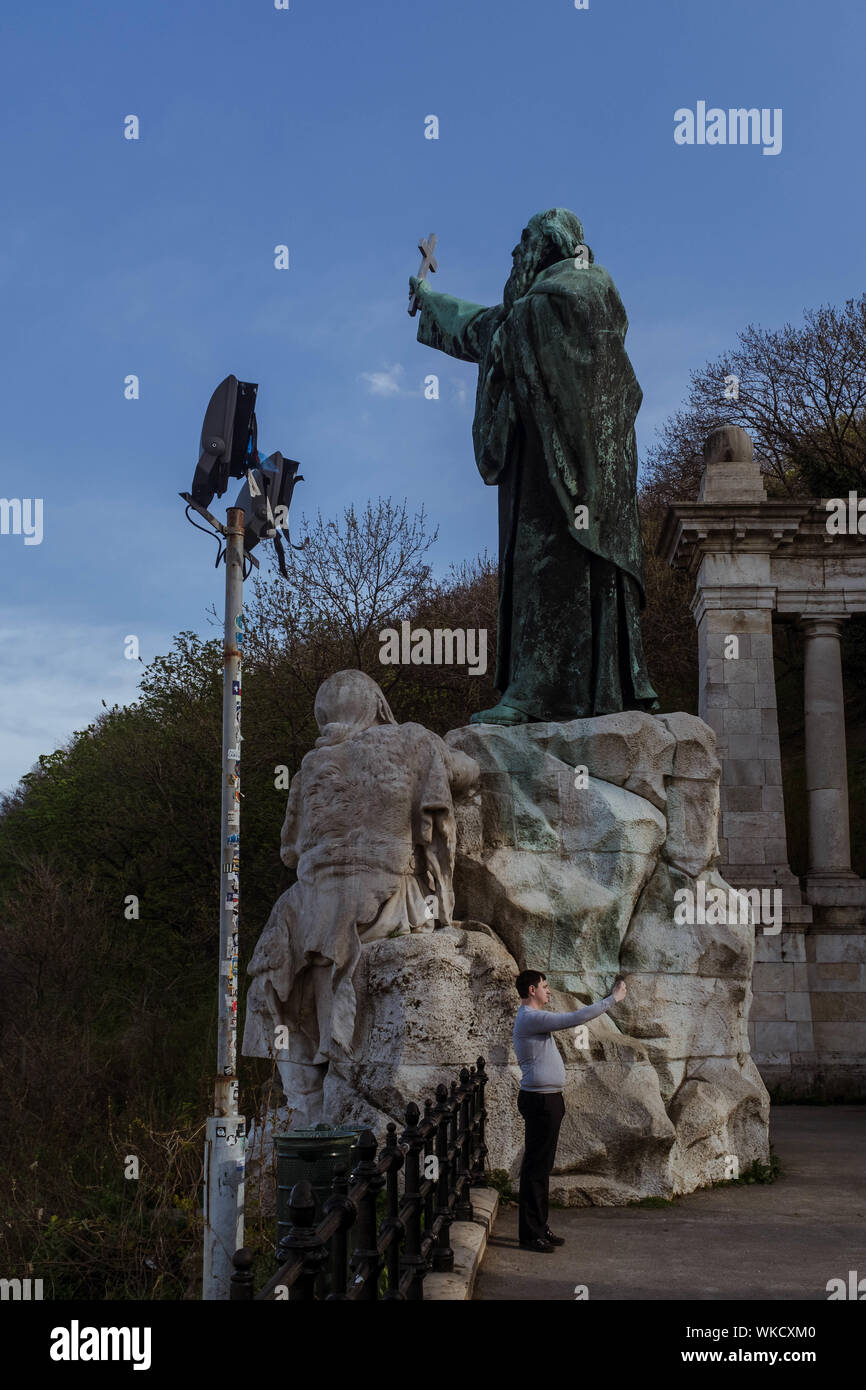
column 737, row 698
column 733, row 609
column 826, row 759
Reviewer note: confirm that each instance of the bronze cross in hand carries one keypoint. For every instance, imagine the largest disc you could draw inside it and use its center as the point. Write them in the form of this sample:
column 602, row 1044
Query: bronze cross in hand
column 428, row 262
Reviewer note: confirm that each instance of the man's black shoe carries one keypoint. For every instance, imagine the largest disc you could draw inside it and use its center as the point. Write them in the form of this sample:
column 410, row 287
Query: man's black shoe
column 541, row 1247
column 552, row 1239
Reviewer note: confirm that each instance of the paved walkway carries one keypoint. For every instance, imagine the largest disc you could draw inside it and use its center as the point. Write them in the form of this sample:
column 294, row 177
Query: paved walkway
column 780, row 1241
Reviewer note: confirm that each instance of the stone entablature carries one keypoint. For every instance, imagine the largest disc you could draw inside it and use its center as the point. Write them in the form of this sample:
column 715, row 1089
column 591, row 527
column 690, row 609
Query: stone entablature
column 776, row 555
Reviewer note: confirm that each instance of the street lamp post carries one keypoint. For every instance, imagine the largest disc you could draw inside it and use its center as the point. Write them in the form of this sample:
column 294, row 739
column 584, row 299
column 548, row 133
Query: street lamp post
column 226, row 1128
column 228, row 449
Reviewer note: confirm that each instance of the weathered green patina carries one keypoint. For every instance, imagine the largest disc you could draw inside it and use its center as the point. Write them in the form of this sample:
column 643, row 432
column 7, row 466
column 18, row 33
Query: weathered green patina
column 554, row 431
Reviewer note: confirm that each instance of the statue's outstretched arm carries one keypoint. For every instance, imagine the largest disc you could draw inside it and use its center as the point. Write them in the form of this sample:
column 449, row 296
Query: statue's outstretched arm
column 447, row 323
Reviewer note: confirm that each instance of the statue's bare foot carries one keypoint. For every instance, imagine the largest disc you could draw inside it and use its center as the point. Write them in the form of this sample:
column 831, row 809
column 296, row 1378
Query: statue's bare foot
column 500, row 714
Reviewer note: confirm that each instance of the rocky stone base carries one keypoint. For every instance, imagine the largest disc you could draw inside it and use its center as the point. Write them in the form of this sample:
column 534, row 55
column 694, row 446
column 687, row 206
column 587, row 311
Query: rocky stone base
column 568, row 861
column 621, row 1139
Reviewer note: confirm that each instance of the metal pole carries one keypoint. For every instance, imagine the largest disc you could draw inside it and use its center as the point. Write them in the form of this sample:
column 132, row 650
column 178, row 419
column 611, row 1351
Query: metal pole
column 226, row 1129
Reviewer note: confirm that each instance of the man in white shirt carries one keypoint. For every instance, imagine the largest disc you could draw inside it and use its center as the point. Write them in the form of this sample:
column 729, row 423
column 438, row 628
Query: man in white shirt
column 540, row 1099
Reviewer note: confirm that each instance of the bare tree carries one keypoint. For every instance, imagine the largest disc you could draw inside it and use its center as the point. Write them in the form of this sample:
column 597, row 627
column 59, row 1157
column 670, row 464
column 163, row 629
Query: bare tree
column 354, row 576
column 800, row 393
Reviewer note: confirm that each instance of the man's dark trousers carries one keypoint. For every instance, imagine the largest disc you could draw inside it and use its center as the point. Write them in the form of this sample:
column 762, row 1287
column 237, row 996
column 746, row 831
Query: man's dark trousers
column 542, row 1115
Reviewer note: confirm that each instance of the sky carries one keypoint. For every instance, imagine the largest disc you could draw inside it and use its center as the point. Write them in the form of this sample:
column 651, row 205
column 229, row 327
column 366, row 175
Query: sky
column 306, row 127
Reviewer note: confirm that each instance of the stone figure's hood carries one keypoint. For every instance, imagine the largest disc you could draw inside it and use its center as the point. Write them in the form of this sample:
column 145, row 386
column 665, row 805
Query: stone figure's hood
column 368, row 707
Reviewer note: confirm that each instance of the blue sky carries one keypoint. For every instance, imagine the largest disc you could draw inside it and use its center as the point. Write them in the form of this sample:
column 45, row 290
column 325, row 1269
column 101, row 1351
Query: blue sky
column 306, row 127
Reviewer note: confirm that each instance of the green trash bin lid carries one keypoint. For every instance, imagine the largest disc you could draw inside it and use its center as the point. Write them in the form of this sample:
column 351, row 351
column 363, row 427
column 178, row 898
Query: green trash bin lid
column 317, row 1142
column 319, row 1132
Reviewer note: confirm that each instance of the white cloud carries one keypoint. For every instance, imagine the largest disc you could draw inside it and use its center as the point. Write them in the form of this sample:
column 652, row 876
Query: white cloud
column 55, row 679
column 384, row 383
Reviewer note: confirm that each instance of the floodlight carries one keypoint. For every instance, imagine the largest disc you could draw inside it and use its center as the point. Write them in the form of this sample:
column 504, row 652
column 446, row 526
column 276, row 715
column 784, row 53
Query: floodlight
column 265, row 498
column 284, row 487
column 228, row 439
column 254, row 500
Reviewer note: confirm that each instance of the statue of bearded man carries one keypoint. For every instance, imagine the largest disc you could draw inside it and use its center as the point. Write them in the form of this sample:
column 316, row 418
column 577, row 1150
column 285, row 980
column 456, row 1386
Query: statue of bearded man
column 554, row 431
column 371, row 831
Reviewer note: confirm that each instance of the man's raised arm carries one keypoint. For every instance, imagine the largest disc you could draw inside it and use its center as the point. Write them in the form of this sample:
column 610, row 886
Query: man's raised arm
column 540, row 1021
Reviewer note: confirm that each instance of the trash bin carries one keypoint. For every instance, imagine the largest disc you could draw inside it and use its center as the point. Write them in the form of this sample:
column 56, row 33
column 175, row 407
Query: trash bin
column 315, row 1154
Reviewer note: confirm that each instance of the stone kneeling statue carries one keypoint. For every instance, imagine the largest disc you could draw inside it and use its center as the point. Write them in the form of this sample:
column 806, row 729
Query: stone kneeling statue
column 370, row 829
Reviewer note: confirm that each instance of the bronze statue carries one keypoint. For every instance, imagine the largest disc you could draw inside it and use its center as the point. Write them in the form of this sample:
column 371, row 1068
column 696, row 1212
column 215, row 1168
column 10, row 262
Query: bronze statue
column 554, row 431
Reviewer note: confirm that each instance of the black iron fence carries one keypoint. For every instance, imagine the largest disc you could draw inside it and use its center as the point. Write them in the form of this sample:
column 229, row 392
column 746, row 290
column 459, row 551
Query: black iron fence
column 441, row 1156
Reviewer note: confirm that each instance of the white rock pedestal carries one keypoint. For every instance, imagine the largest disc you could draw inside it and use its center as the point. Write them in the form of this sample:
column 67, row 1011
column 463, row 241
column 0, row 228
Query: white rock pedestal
column 575, row 873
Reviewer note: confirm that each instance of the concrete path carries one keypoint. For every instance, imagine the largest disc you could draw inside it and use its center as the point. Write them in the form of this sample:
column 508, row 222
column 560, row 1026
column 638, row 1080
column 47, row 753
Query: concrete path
column 779, row 1241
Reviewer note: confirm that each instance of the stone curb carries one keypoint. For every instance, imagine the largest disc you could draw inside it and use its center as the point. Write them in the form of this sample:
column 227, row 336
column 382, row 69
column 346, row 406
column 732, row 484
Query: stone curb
column 468, row 1241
